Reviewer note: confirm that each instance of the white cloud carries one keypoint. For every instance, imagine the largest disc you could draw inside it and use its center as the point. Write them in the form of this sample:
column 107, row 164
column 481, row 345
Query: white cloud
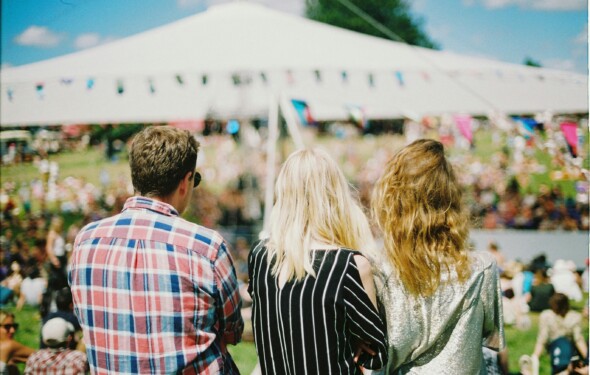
column 39, row 36
column 533, row 4
column 87, row 40
column 90, row 40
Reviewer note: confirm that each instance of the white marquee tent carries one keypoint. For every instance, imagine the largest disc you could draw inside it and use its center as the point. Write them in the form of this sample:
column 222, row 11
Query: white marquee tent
column 229, row 61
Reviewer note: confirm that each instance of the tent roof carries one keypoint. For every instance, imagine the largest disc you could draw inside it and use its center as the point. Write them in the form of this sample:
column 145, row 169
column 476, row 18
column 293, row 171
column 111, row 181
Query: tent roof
column 240, row 40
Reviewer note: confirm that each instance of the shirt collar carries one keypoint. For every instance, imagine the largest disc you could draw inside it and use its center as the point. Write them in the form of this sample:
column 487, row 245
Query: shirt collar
column 143, row 203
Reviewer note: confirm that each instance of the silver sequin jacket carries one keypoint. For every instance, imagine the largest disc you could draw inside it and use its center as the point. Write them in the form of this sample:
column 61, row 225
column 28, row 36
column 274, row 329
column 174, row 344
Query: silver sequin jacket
column 443, row 333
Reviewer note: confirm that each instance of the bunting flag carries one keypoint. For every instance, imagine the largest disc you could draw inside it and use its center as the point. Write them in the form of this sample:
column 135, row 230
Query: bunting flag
column 89, row 83
column 40, row 88
column 344, row 76
column 464, row 124
column 290, row 79
column 371, row 80
column 526, row 126
column 120, row 87
column 152, row 86
column 179, row 79
column 303, row 112
column 263, row 77
column 318, row 76
column 570, row 133
column 357, row 115
column 400, row 78
column 10, row 93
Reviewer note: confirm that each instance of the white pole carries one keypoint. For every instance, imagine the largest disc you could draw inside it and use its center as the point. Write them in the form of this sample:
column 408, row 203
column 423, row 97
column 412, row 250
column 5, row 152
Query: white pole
column 271, row 151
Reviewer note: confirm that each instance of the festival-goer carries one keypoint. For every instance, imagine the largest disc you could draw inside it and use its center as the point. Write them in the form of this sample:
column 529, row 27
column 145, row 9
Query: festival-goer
column 541, row 291
column 560, row 332
column 442, row 301
column 314, row 304
column 11, row 351
column 57, row 357
column 56, row 255
column 164, row 287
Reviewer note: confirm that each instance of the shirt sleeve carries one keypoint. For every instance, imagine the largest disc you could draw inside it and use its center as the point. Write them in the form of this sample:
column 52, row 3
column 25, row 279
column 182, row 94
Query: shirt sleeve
column 230, row 302
column 364, row 322
column 493, row 327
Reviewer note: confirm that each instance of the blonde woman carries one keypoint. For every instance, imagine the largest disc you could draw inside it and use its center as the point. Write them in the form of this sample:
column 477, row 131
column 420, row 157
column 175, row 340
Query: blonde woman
column 314, row 304
column 442, row 302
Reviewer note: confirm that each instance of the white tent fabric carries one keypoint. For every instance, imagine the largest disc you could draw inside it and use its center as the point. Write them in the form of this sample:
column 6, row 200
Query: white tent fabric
column 271, row 53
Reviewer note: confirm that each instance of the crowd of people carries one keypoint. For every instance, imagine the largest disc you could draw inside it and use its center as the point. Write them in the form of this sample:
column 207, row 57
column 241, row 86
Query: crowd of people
column 37, row 250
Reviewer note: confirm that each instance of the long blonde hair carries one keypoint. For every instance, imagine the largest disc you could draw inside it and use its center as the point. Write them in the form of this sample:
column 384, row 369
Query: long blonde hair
column 417, row 205
column 313, row 201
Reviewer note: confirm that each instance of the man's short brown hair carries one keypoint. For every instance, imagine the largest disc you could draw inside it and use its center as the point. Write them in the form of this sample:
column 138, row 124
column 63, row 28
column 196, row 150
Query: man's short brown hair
column 160, row 158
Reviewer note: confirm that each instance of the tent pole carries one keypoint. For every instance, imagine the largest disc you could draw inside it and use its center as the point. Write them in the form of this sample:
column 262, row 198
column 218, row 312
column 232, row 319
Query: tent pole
column 271, row 155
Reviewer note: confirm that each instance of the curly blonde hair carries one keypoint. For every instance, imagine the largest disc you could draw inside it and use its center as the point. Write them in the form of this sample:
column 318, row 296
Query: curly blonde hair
column 313, row 202
column 417, row 205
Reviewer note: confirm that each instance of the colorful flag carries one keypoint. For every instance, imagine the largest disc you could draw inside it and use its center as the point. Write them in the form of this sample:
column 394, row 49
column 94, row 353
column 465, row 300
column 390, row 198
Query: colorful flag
column 40, row 88
column 120, row 87
column 357, row 115
column 303, row 112
column 464, row 124
column 526, row 126
column 570, row 133
column 89, row 83
column 400, row 78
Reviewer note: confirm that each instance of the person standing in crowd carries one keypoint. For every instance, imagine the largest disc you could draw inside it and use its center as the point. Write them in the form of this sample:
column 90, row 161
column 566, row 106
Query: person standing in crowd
column 57, row 357
column 153, row 292
column 560, row 332
column 442, row 301
column 11, row 351
column 314, row 303
column 56, row 255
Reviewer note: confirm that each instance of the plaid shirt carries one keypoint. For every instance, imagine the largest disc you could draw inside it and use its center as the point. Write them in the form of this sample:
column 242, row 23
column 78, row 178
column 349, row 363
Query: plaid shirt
column 57, row 362
column 155, row 294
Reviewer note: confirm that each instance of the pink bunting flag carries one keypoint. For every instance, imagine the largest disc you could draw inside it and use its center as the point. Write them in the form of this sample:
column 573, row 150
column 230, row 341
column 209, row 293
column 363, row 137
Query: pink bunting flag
column 570, row 132
column 464, row 124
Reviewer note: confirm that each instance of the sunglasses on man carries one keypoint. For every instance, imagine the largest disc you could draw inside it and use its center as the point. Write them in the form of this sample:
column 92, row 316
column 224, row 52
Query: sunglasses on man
column 197, row 179
column 8, row 327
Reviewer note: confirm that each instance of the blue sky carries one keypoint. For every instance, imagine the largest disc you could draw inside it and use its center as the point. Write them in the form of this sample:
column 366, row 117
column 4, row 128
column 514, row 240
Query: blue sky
column 552, row 32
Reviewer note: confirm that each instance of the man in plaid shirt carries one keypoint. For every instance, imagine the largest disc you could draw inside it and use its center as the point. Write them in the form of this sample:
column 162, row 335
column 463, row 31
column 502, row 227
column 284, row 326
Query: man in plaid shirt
column 154, row 293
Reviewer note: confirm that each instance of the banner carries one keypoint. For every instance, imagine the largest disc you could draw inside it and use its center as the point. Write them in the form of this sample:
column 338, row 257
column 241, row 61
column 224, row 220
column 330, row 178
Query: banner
column 357, row 115
column 570, row 133
column 464, row 124
column 303, row 112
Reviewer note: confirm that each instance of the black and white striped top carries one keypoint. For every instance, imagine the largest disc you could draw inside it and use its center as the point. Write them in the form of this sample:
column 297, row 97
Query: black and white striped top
column 309, row 326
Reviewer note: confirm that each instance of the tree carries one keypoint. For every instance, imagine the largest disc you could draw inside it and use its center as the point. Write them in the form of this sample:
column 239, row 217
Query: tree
column 530, row 62
column 394, row 15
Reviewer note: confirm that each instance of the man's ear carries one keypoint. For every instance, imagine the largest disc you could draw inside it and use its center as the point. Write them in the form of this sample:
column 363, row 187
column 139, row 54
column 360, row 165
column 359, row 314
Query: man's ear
column 187, row 182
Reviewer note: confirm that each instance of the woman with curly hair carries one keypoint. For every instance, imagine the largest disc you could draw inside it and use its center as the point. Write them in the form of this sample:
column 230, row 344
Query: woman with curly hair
column 442, row 301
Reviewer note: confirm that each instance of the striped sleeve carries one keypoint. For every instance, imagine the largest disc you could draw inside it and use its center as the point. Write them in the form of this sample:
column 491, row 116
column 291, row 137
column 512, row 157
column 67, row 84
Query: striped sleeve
column 363, row 320
column 230, row 302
